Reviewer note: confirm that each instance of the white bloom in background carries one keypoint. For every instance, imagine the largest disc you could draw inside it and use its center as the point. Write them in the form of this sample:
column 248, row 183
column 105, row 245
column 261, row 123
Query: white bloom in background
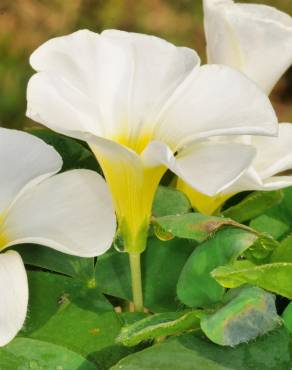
column 144, row 105
column 37, row 206
column 257, row 40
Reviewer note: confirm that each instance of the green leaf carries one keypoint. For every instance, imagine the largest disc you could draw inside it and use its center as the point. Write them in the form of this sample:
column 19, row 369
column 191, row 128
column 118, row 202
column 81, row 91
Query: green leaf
column 25, row 353
column 274, row 277
column 287, row 318
column 262, row 249
column 73, row 153
column 267, row 224
column 194, row 352
column 169, row 201
column 196, row 287
column 193, row 226
column 66, row 313
column 163, row 324
column 159, row 285
column 253, row 205
column 284, row 251
column 252, row 312
column 277, row 220
column 44, row 257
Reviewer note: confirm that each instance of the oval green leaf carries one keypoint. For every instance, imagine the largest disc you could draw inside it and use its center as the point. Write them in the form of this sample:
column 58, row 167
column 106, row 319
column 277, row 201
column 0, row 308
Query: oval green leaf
column 196, row 287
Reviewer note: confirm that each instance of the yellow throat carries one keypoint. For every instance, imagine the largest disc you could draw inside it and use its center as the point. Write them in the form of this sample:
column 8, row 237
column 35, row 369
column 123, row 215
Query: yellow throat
column 133, row 189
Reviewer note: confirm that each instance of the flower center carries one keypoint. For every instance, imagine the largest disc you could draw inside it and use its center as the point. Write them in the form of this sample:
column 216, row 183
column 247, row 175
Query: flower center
column 137, row 143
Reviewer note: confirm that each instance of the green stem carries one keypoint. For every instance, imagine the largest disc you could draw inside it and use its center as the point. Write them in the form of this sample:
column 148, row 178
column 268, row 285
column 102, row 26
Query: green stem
column 135, row 266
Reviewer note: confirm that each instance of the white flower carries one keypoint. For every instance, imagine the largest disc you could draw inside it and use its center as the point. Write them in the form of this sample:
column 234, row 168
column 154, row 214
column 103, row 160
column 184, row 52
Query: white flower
column 274, row 155
column 144, row 105
column 257, row 40
column 37, row 207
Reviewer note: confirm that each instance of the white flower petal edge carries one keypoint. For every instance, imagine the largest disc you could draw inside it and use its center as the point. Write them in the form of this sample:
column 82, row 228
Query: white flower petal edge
column 215, row 100
column 25, row 161
column 274, row 155
column 14, row 295
column 256, row 39
column 277, row 182
column 223, row 163
column 158, row 69
column 147, row 101
column 117, row 86
column 71, row 212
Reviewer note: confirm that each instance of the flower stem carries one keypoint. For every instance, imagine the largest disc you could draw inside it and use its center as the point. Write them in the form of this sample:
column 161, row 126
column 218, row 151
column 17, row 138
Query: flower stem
column 135, row 266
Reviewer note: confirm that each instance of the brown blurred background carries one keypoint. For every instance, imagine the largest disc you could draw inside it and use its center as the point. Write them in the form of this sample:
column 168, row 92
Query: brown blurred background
column 25, row 24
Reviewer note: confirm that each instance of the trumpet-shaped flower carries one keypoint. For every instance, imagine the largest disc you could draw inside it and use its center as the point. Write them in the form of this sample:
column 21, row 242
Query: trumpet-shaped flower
column 37, row 207
column 257, row 40
column 144, row 105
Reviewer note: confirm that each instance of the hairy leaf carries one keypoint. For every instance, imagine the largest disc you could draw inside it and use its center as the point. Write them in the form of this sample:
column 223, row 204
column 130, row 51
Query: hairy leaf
column 195, row 352
column 252, row 312
column 274, row 277
column 194, row 226
column 159, row 325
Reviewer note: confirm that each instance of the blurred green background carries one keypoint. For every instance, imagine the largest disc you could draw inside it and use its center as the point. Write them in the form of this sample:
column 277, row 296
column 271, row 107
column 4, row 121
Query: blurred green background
column 25, row 24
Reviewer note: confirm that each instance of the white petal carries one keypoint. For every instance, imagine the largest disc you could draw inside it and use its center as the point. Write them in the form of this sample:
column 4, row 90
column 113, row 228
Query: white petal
column 274, row 155
column 158, row 68
column 25, row 161
column 271, row 183
column 86, row 83
column 277, row 182
column 71, row 212
column 249, row 180
column 256, row 39
column 207, row 166
column 110, row 85
column 53, row 102
column 215, row 100
column 14, row 295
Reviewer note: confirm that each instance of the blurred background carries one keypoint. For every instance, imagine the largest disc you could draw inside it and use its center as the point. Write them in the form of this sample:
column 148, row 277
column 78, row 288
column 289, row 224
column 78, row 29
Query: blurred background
column 25, row 24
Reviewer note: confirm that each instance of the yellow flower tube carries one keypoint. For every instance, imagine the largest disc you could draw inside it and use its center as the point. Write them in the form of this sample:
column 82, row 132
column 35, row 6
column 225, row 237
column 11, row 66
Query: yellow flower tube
column 207, row 205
